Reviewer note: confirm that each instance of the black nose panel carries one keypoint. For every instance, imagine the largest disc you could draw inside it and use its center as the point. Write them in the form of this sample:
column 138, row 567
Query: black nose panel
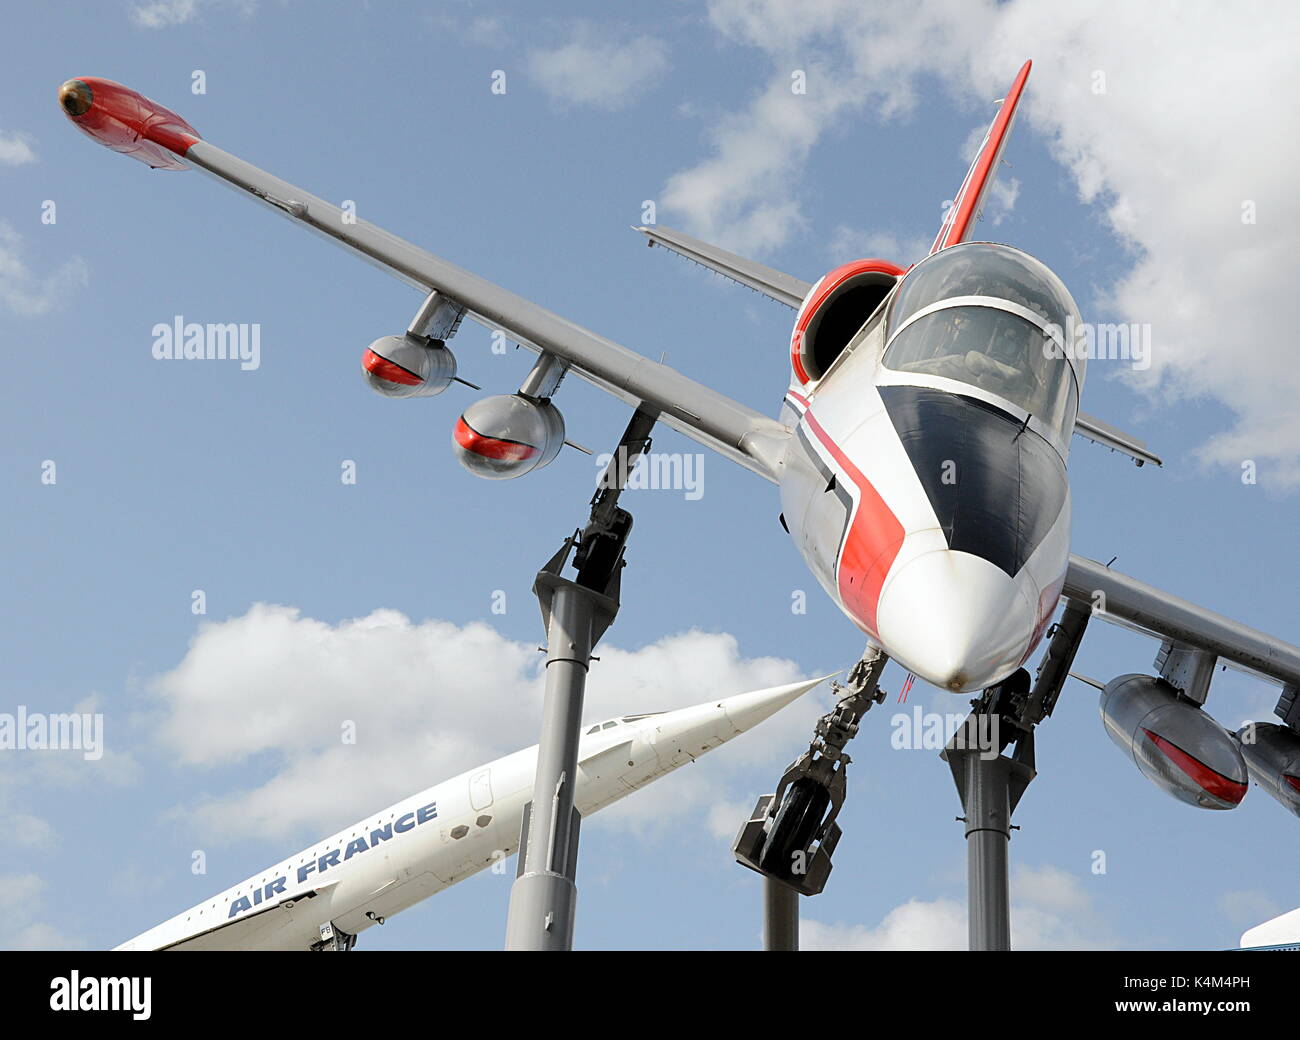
column 996, row 488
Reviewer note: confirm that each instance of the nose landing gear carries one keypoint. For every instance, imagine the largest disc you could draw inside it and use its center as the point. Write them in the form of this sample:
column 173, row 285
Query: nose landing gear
column 791, row 835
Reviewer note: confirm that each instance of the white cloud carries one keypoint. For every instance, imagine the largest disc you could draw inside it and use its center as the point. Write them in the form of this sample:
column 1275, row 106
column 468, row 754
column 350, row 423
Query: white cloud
column 27, row 831
column 742, row 196
column 848, row 243
column 29, row 295
column 18, row 891
column 1051, row 910
column 162, row 14
column 427, row 700
column 1185, row 133
column 598, row 70
column 1246, row 908
column 21, row 901
column 725, row 817
column 916, row 925
column 486, row 31
column 16, row 148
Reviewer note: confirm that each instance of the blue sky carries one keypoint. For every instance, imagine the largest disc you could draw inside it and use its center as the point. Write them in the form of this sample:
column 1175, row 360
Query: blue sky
column 171, row 477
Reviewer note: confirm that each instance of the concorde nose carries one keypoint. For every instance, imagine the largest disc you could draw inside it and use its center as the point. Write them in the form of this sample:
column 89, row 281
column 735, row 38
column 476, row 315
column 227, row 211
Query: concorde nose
column 702, row 727
column 76, row 97
column 956, row 620
column 747, row 710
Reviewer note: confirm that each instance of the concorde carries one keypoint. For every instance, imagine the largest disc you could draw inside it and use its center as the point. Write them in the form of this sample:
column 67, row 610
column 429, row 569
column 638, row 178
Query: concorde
column 324, row 896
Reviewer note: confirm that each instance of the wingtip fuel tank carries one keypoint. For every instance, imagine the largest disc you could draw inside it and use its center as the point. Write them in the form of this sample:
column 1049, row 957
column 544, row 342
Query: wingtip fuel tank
column 126, row 121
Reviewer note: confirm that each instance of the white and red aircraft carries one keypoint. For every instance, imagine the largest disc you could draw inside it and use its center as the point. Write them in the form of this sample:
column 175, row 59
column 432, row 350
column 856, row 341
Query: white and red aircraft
column 920, row 452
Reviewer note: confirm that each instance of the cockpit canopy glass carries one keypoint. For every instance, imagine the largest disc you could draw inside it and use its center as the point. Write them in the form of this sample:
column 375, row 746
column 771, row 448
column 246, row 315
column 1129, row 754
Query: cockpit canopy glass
column 1001, row 352
column 983, row 269
column 995, row 350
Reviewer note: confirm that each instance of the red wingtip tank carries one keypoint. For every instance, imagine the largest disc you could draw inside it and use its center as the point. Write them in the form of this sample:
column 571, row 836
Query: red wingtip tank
column 128, row 122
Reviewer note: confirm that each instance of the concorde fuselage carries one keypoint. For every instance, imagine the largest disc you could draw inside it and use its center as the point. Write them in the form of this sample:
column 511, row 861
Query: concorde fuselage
column 423, row 844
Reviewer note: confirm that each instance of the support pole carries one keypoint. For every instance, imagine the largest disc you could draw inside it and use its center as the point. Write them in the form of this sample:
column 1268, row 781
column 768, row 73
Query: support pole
column 990, row 786
column 780, row 916
column 545, row 892
column 576, row 614
column 988, row 833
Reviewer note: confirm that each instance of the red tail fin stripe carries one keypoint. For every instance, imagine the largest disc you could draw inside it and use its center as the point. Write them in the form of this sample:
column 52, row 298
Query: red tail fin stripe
column 965, row 207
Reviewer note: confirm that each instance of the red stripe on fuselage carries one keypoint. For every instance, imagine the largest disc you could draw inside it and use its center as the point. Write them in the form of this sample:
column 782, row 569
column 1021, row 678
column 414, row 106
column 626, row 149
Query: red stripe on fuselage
column 871, row 544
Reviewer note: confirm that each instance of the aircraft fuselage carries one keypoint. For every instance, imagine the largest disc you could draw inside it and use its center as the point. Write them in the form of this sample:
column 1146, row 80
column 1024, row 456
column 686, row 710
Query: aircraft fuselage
column 925, row 485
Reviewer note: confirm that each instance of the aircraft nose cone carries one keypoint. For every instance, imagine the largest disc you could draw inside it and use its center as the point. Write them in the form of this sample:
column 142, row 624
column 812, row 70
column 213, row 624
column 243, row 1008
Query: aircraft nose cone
column 75, row 97
column 956, row 620
column 747, row 710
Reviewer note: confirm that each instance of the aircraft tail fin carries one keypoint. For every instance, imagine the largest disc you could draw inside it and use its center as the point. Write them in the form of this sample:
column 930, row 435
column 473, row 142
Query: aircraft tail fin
column 960, row 217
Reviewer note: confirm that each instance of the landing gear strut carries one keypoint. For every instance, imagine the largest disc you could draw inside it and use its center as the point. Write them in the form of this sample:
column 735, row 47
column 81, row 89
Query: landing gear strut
column 791, row 835
column 334, row 939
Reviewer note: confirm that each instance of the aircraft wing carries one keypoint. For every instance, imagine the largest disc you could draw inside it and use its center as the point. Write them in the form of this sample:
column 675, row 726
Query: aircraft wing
column 1093, row 429
column 244, row 931
column 783, row 288
column 1186, row 631
column 742, row 434
column 127, row 121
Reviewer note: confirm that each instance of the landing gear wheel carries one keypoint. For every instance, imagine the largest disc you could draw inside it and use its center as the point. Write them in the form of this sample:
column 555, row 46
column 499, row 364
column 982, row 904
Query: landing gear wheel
column 598, row 558
column 1005, row 701
column 796, row 822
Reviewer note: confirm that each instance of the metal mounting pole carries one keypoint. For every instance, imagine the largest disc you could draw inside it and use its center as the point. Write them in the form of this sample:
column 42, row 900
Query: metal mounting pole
column 545, row 890
column 990, row 787
column 576, row 615
column 780, row 916
column 991, row 783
